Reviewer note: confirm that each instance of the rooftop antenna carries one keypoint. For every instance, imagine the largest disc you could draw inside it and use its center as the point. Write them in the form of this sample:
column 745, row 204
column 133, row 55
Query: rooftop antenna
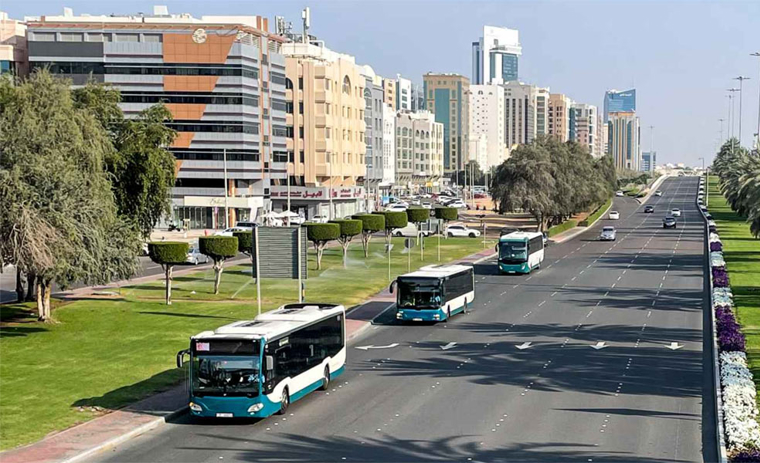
column 306, row 16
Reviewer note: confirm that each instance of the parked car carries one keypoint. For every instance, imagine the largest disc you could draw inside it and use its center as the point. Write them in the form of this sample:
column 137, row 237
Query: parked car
column 608, row 234
column 658, row 193
column 245, row 225
column 398, row 207
column 145, row 251
column 410, row 231
column 319, row 219
column 229, row 231
column 669, row 222
column 194, row 255
column 461, row 230
column 480, row 195
column 676, row 212
column 614, row 215
column 457, row 203
column 618, row 193
column 648, row 209
column 427, row 205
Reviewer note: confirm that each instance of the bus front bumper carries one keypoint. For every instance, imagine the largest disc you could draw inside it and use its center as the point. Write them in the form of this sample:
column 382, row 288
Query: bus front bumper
column 232, row 407
column 421, row 315
column 516, row 268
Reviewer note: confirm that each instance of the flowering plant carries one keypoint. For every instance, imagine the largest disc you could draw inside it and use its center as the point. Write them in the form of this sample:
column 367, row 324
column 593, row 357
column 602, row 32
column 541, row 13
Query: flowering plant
column 730, row 337
column 716, row 246
column 739, row 407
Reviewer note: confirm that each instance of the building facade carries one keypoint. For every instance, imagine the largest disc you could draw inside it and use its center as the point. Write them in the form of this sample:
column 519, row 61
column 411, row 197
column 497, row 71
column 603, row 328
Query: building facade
column 559, row 117
column 389, row 92
column 403, row 94
column 521, row 113
column 325, row 92
column 419, row 152
column 373, row 134
column 648, row 161
column 495, row 56
column 221, row 77
column 389, row 149
column 14, row 58
column 586, row 128
column 624, row 136
column 446, row 97
column 616, row 101
column 487, row 127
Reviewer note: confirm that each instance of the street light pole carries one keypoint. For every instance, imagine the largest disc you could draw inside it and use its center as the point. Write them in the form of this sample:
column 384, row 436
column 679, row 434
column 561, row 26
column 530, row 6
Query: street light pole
column 329, row 175
column 721, row 129
column 731, row 116
column 757, row 54
column 741, row 80
column 651, row 148
column 226, row 204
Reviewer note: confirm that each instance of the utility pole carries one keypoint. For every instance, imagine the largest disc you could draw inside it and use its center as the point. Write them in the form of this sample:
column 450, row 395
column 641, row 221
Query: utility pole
column 757, row 54
column 226, row 186
column 651, row 148
column 721, row 129
column 288, row 217
column 329, row 174
column 731, row 116
column 741, row 80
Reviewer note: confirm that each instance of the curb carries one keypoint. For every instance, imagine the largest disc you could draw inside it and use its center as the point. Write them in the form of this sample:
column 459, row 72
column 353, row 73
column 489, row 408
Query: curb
column 578, row 230
column 652, row 189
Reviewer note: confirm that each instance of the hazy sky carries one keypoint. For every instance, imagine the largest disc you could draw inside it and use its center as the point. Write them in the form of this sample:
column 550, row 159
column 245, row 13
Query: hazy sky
column 680, row 56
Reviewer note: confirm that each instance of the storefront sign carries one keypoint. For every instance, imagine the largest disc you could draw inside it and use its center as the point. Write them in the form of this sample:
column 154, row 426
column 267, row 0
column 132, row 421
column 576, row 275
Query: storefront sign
column 317, row 194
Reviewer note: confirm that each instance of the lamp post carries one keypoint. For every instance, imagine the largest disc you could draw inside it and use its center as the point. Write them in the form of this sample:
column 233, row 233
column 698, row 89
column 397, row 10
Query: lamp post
column 731, row 117
column 329, row 175
column 226, row 186
column 741, row 80
column 757, row 54
column 721, row 129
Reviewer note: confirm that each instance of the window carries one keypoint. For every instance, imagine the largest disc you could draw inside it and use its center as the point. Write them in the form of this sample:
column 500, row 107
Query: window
column 71, row 37
column 44, row 36
column 127, row 38
column 288, row 84
column 346, row 85
column 98, row 37
column 327, row 84
column 300, row 83
column 152, row 38
column 327, row 132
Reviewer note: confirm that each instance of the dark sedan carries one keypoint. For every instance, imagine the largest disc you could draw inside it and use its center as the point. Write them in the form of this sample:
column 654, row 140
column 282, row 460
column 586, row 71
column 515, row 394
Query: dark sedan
column 648, row 209
column 669, row 222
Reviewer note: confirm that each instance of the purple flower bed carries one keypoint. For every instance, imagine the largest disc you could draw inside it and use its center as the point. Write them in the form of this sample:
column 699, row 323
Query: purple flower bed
column 716, row 247
column 749, row 455
column 720, row 278
column 730, row 337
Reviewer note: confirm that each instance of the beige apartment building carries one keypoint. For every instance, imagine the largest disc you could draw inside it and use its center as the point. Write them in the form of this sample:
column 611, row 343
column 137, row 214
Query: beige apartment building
column 419, row 152
column 13, row 50
column 325, row 94
column 559, row 116
column 446, row 96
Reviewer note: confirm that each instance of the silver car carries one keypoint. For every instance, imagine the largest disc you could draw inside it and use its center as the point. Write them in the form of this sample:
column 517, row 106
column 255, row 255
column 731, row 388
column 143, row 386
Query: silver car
column 608, row 234
column 195, row 257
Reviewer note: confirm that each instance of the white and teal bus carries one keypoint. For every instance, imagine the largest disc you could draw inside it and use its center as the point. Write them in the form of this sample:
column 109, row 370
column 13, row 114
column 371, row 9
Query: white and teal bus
column 434, row 292
column 256, row 368
column 520, row 252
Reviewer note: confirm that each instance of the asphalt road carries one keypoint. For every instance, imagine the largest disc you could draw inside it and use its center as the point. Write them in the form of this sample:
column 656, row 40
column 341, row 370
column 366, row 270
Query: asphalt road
column 559, row 399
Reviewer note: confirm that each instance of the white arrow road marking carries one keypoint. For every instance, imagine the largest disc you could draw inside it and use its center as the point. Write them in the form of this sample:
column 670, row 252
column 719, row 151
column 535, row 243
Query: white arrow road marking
column 600, row 345
column 389, row 346
column 674, row 346
column 524, row 345
column 448, row 346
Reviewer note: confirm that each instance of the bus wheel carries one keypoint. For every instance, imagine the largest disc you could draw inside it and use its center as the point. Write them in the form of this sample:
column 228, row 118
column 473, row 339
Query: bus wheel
column 285, row 402
column 326, row 379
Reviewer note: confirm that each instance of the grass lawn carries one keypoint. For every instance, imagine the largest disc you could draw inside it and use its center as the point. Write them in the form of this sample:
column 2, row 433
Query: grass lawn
column 742, row 254
column 109, row 353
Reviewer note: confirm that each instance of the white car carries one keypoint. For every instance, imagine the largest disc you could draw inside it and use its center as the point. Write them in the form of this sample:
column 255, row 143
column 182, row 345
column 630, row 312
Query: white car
column 427, row 205
column 457, row 203
column 145, row 251
column 319, row 219
column 658, row 193
column 676, row 212
column 461, row 230
column 398, row 207
column 230, row 231
column 410, row 231
column 195, row 257
column 614, row 215
column 618, row 193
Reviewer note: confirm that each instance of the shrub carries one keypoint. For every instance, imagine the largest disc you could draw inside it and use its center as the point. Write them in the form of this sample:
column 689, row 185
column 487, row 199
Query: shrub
column 348, row 229
column 566, row 225
column 219, row 248
column 716, row 247
column 417, row 215
column 245, row 241
column 168, row 254
column 590, row 220
column 446, row 214
column 371, row 223
column 320, row 234
column 730, row 337
column 394, row 220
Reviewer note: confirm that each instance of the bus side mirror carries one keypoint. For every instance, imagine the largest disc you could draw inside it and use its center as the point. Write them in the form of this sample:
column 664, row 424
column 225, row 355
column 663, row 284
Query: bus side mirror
column 181, row 357
column 392, row 287
column 269, row 360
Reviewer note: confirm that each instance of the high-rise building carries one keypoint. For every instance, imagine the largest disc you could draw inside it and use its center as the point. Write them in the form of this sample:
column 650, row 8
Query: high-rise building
column 446, row 97
column 389, row 149
column 560, row 116
column 403, row 94
column 624, row 136
column 221, row 77
column 419, row 152
column 13, row 51
column 586, row 128
column 542, row 110
column 648, row 161
column 521, row 113
column 495, row 56
column 487, row 125
column 325, row 90
column 389, row 92
column 373, row 134
column 616, row 101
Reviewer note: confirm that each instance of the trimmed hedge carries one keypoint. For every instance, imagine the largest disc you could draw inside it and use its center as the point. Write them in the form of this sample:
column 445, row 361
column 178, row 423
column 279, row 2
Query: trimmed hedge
column 371, row 222
column 446, row 213
column 595, row 216
column 218, row 247
column 349, row 227
column 168, row 252
column 566, row 225
column 417, row 214
column 395, row 219
column 245, row 241
column 316, row 232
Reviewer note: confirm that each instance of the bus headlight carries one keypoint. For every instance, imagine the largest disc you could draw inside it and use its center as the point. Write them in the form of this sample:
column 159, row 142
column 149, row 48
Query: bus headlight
column 399, row 314
column 255, row 408
column 437, row 316
column 195, row 407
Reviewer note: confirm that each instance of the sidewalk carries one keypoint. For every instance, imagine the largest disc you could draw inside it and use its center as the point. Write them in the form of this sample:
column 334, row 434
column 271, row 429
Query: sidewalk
column 92, row 437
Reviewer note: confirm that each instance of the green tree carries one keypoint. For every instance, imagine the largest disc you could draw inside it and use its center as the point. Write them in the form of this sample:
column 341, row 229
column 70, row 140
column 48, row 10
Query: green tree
column 219, row 248
column 348, row 230
column 418, row 216
column 739, row 172
column 320, row 234
column 167, row 254
column 58, row 218
column 142, row 169
column 393, row 220
column 371, row 223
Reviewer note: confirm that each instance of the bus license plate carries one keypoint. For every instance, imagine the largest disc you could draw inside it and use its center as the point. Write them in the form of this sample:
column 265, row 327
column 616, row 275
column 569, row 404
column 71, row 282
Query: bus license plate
column 224, row 415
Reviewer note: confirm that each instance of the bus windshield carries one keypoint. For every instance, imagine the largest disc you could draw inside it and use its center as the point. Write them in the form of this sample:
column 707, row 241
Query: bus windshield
column 232, row 376
column 514, row 252
column 422, row 294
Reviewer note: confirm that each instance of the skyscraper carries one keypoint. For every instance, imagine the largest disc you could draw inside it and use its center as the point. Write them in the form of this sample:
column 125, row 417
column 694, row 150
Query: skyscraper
column 521, row 112
column 559, row 116
column 487, row 125
column 616, row 101
column 495, row 56
column 446, row 97
column 623, row 128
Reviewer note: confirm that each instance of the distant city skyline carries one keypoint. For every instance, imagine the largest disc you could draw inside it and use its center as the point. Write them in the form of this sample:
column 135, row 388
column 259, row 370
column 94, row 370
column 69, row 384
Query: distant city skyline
column 679, row 56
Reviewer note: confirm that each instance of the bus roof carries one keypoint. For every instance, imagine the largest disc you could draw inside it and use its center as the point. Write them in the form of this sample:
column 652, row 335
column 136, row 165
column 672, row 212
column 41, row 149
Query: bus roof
column 437, row 271
column 274, row 323
column 520, row 235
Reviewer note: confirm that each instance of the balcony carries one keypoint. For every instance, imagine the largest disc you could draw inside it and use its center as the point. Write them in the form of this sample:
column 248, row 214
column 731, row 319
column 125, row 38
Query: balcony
column 289, row 143
column 324, row 145
column 319, row 72
column 289, row 119
column 323, row 120
column 289, row 94
column 323, row 96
